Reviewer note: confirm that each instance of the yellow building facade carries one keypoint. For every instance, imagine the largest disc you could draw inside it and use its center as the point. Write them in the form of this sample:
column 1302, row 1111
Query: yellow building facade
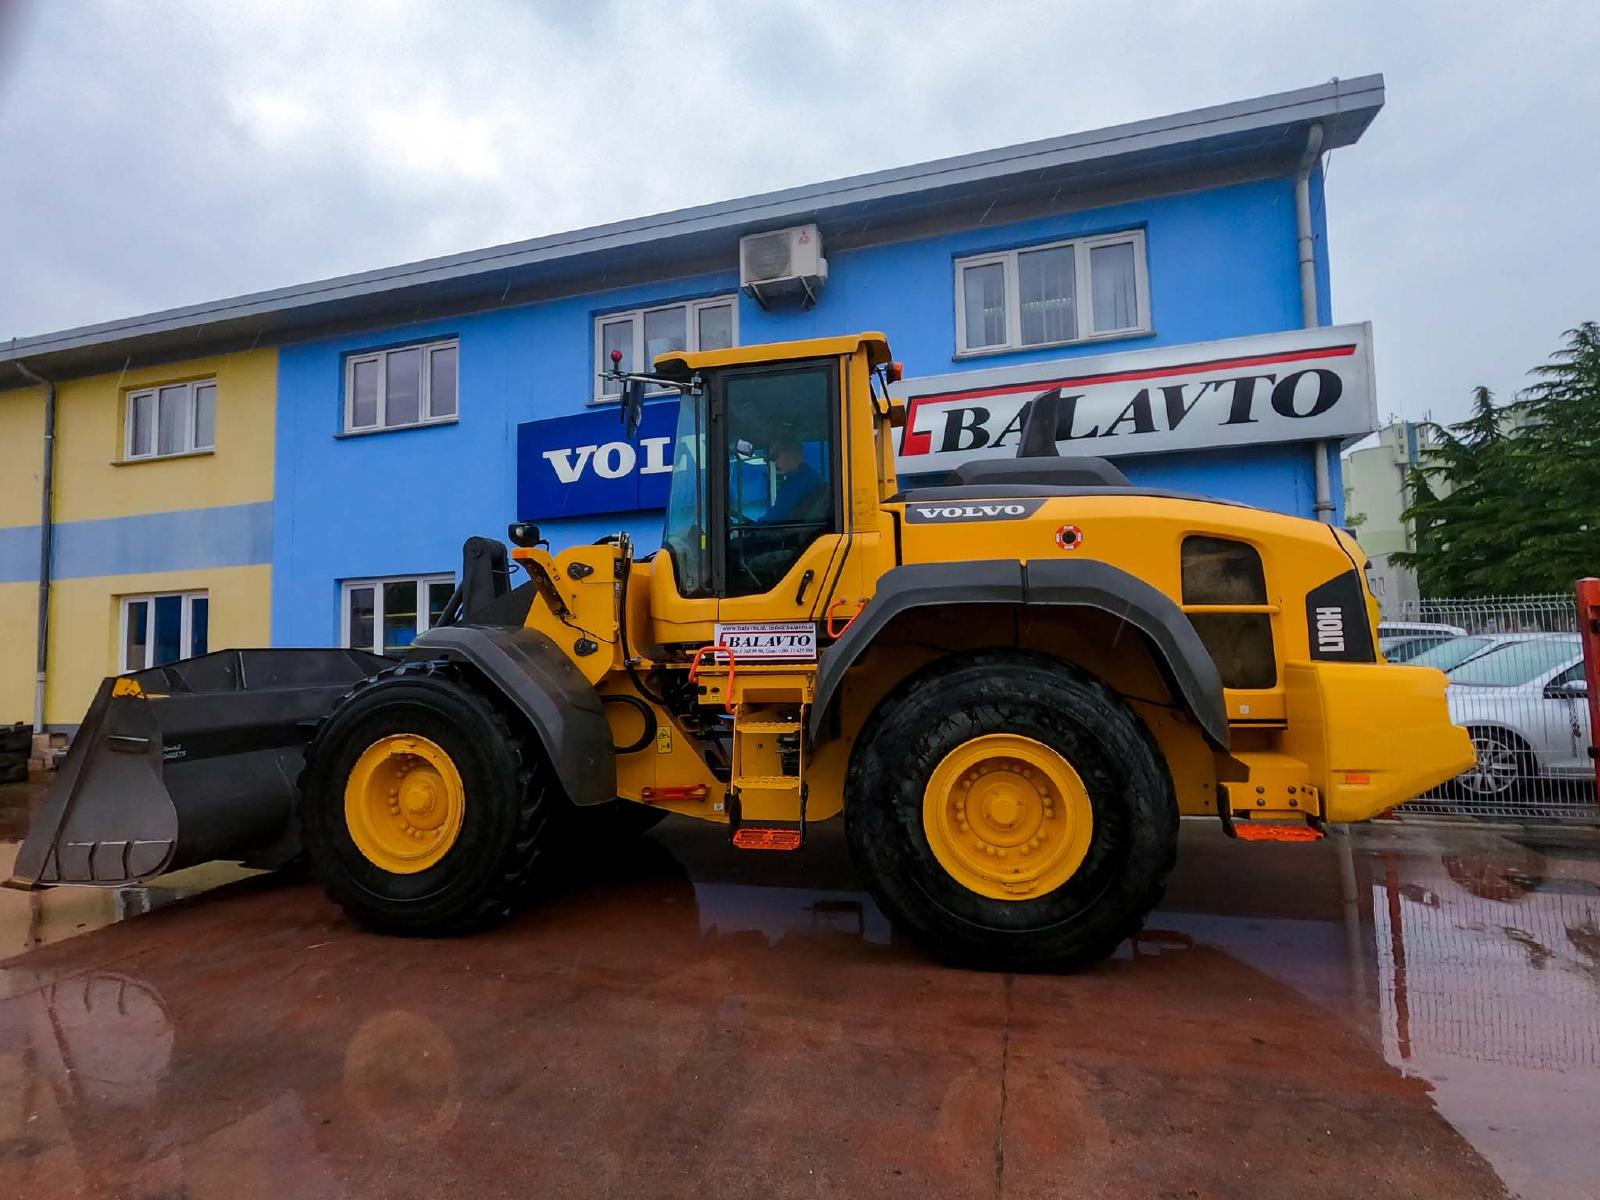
column 162, row 530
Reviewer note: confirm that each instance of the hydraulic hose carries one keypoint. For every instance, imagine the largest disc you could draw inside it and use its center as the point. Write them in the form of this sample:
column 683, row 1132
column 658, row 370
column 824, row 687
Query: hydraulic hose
column 644, row 711
column 625, row 544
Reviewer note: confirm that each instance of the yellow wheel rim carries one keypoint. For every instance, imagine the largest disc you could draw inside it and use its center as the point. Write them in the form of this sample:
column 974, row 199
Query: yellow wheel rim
column 403, row 803
column 1007, row 817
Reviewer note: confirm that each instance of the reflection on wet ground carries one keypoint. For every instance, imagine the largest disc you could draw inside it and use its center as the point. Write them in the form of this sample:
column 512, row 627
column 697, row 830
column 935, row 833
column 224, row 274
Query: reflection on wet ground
column 1401, row 1012
column 29, row 919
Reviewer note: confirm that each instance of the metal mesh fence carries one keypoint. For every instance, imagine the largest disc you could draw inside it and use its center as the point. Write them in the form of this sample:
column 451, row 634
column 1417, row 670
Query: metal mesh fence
column 1490, row 958
column 1516, row 682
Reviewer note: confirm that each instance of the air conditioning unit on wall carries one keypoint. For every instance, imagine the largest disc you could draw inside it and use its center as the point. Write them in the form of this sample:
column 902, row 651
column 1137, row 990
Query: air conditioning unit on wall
column 783, row 263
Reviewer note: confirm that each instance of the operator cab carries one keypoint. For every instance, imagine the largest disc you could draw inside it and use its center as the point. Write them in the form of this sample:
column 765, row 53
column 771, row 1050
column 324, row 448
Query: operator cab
column 758, row 523
column 755, row 462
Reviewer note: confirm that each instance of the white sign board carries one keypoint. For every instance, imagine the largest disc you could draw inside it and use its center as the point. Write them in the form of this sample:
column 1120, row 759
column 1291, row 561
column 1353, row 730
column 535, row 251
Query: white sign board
column 769, row 639
column 1299, row 386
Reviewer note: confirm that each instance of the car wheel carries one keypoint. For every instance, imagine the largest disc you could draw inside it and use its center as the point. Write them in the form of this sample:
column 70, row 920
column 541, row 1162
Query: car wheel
column 1503, row 768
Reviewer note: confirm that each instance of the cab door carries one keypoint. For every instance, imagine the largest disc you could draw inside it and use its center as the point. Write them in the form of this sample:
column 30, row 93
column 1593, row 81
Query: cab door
column 778, row 503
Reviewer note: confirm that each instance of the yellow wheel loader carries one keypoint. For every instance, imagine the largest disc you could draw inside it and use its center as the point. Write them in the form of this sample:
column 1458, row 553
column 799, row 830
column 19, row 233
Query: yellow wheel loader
column 1011, row 683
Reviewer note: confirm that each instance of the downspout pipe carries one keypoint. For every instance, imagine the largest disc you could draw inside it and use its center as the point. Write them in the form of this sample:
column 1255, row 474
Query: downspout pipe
column 46, row 532
column 1309, row 316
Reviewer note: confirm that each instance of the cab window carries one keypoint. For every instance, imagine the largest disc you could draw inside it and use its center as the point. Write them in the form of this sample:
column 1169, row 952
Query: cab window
column 684, row 535
column 779, row 472
column 1219, row 573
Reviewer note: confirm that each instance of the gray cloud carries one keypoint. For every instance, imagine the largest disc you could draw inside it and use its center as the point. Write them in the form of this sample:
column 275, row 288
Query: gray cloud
column 154, row 154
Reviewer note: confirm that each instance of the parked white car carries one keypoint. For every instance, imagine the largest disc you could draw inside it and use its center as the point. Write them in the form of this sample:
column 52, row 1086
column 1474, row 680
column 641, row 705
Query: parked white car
column 1525, row 702
column 1402, row 640
column 1453, row 652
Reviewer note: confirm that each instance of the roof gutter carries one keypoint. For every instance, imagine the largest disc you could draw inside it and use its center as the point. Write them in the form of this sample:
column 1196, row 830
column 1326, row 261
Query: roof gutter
column 1309, row 316
column 46, row 531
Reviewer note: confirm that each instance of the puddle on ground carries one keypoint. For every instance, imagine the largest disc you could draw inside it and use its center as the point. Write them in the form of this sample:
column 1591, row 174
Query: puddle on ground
column 728, row 908
column 29, row 919
column 1488, row 971
column 1472, row 961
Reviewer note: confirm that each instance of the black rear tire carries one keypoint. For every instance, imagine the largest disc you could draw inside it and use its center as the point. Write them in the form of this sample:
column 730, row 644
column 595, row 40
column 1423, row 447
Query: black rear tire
column 508, row 791
column 1133, row 843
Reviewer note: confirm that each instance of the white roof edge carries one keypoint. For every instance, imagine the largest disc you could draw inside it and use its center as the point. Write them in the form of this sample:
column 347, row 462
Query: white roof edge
column 1364, row 93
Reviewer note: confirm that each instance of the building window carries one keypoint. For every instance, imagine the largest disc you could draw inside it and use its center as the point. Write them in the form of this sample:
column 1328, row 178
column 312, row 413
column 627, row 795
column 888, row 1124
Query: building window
column 646, row 332
column 410, row 385
column 386, row 615
column 1051, row 295
column 175, row 418
column 163, row 628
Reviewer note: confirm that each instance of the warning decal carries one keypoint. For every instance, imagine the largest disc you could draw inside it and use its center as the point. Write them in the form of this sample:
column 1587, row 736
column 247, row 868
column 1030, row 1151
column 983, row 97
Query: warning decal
column 1069, row 537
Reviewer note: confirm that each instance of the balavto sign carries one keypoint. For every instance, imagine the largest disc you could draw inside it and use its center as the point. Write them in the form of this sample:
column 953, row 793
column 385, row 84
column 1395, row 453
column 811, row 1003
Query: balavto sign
column 1304, row 385
column 1280, row 387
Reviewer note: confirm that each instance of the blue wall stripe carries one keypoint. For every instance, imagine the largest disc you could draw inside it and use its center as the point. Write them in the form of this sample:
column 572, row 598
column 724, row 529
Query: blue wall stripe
column 19, row 554
column 236, row 535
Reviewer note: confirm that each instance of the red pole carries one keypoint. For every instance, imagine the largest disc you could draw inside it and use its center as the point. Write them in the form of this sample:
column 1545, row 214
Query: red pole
column 1589, row 630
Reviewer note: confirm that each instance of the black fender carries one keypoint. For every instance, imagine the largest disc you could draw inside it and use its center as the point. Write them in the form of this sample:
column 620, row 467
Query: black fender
column 1080, row 583
column 561, row 706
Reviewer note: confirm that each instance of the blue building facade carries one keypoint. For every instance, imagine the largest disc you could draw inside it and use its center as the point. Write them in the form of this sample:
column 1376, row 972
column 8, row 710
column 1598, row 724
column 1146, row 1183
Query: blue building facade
column 1222, row 263
column 1173, row 273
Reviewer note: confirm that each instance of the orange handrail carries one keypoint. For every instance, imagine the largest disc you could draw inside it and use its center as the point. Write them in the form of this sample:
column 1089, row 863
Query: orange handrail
column 835, row 633
column 714, row 649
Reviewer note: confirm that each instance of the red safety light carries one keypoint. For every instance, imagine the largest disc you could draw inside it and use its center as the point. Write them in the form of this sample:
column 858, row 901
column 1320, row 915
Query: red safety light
column 652, row 795
column 616, row 358
column 895, row 372
column 752, row 837
column 1276, row 833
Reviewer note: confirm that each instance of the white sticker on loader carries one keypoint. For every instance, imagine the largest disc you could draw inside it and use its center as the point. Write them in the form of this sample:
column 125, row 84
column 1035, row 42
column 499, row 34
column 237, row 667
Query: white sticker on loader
column 770, row 639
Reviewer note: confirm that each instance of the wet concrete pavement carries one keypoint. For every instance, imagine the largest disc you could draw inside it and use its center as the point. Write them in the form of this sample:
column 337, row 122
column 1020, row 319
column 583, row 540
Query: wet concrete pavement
column 1403, row 1012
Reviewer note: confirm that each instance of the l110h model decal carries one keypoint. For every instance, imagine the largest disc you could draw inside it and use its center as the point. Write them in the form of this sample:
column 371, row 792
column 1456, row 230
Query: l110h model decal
column 1282, row 387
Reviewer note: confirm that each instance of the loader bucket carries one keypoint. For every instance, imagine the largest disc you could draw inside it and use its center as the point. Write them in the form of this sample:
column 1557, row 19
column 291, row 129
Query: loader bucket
column 186, row 763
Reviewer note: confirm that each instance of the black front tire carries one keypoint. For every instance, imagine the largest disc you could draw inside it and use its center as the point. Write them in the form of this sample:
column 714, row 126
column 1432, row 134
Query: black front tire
column 1132, row 847
column 509, row 794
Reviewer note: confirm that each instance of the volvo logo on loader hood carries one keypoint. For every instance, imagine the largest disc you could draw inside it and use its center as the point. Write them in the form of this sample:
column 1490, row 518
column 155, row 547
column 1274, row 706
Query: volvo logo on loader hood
column 1281, row 387
column 976, row 510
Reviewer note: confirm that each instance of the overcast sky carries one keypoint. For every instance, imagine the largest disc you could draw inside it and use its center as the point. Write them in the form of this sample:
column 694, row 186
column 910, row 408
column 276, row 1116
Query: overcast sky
column 156, row 154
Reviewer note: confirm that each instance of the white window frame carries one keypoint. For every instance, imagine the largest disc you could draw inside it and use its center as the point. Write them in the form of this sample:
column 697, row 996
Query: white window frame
column 185, row 628
column 425, row 386
column 376, row 584
column 191, row 399
column 1083, row 301
column 691, row 329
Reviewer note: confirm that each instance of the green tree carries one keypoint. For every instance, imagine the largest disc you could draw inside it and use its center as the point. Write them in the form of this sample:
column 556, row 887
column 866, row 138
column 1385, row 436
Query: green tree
column 1508, row 500
column 1462, row 497
column 1560, row 535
